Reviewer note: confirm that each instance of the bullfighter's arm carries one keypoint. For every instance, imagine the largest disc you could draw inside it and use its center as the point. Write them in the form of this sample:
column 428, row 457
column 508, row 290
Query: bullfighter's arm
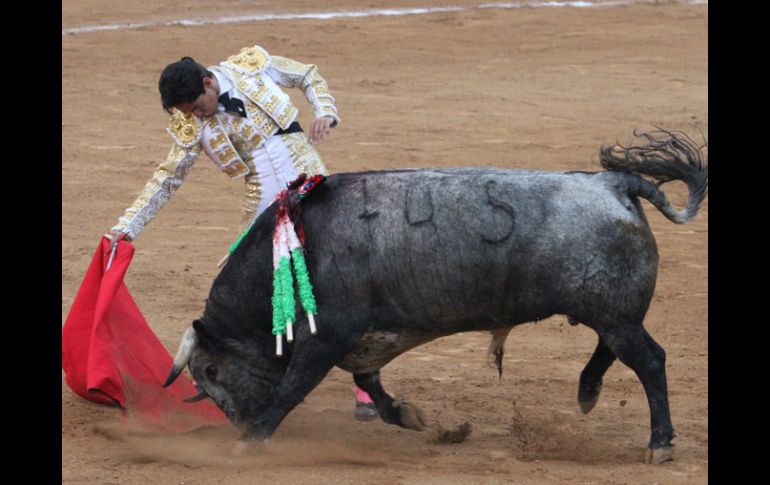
column 292, row 74
column 168, row 177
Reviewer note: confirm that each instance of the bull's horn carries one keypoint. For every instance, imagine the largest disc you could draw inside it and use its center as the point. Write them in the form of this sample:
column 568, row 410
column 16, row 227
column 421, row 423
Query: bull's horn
column 189, row 341
column 201, row 395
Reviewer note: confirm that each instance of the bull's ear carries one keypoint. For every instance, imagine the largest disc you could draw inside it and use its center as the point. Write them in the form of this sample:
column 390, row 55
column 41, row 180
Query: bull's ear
column 206, row 338
column 200, row 329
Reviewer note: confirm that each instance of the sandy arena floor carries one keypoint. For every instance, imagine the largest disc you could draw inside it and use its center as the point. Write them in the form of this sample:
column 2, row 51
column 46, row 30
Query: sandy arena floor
column 538, row 88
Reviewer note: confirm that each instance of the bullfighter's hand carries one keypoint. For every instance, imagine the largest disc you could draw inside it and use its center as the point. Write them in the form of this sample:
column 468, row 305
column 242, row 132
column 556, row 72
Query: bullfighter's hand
column 117, row 236
column 320, row 129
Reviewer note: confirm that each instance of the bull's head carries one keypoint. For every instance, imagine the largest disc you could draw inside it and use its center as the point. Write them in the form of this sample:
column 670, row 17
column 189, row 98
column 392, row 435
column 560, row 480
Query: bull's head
column 238, row 377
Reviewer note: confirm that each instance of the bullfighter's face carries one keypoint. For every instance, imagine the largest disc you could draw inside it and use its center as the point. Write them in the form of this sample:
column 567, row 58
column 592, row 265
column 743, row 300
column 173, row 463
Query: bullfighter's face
column 207, row 104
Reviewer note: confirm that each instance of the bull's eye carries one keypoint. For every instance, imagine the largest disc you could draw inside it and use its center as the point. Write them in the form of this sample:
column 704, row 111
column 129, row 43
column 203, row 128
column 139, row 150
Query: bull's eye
column 211, row 372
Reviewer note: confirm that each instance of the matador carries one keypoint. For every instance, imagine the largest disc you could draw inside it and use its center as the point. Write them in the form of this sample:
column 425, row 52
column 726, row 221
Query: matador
column 237, row 113
column 244, row 123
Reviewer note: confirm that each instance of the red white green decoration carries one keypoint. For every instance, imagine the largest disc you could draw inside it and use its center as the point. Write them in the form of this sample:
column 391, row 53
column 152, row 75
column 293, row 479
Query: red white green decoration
column 287, row 253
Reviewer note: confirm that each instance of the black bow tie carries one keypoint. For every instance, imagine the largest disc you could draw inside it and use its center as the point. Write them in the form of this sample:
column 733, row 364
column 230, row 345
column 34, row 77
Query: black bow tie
column 232, row 104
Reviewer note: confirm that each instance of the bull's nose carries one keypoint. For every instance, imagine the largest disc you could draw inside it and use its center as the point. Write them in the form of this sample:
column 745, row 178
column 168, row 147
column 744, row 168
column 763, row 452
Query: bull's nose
column 197, row 397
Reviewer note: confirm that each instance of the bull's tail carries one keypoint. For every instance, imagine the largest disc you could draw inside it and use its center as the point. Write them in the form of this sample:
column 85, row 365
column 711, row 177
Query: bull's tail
column 667, row 156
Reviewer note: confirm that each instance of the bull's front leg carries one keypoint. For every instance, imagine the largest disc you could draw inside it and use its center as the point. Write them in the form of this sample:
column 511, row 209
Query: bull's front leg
column 310, row 362
column 391, row 411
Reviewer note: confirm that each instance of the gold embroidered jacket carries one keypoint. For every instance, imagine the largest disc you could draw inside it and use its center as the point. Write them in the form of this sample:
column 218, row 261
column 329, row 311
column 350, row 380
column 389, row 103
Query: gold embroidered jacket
column 228, row 140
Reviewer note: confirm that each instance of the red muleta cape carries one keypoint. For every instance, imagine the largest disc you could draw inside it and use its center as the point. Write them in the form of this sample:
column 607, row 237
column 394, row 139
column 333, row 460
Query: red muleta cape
column 111, row 356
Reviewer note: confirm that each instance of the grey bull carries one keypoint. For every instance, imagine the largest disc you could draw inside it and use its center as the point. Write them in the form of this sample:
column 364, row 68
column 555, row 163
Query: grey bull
column 399, row 258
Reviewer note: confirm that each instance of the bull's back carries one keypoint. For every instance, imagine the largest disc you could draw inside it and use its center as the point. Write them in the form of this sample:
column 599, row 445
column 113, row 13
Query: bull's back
column 456, row 249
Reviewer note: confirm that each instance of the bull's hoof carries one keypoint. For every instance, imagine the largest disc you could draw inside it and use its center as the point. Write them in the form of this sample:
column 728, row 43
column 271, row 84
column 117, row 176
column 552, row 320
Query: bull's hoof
column 587, row 406
column 410, row 416
column 588, row 395
column 365, row 411
column 654, row 456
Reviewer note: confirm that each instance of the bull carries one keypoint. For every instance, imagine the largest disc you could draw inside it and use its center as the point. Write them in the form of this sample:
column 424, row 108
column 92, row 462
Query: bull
column 402, row 257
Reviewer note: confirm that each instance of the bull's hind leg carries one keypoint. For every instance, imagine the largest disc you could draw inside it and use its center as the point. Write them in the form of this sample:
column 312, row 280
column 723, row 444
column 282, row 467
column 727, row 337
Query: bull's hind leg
column 592, row 375
column 635, row 348
column 391, row 411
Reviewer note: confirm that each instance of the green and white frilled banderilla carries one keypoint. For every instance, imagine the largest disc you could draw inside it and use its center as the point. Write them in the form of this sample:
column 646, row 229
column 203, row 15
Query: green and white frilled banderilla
column 287, row 249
